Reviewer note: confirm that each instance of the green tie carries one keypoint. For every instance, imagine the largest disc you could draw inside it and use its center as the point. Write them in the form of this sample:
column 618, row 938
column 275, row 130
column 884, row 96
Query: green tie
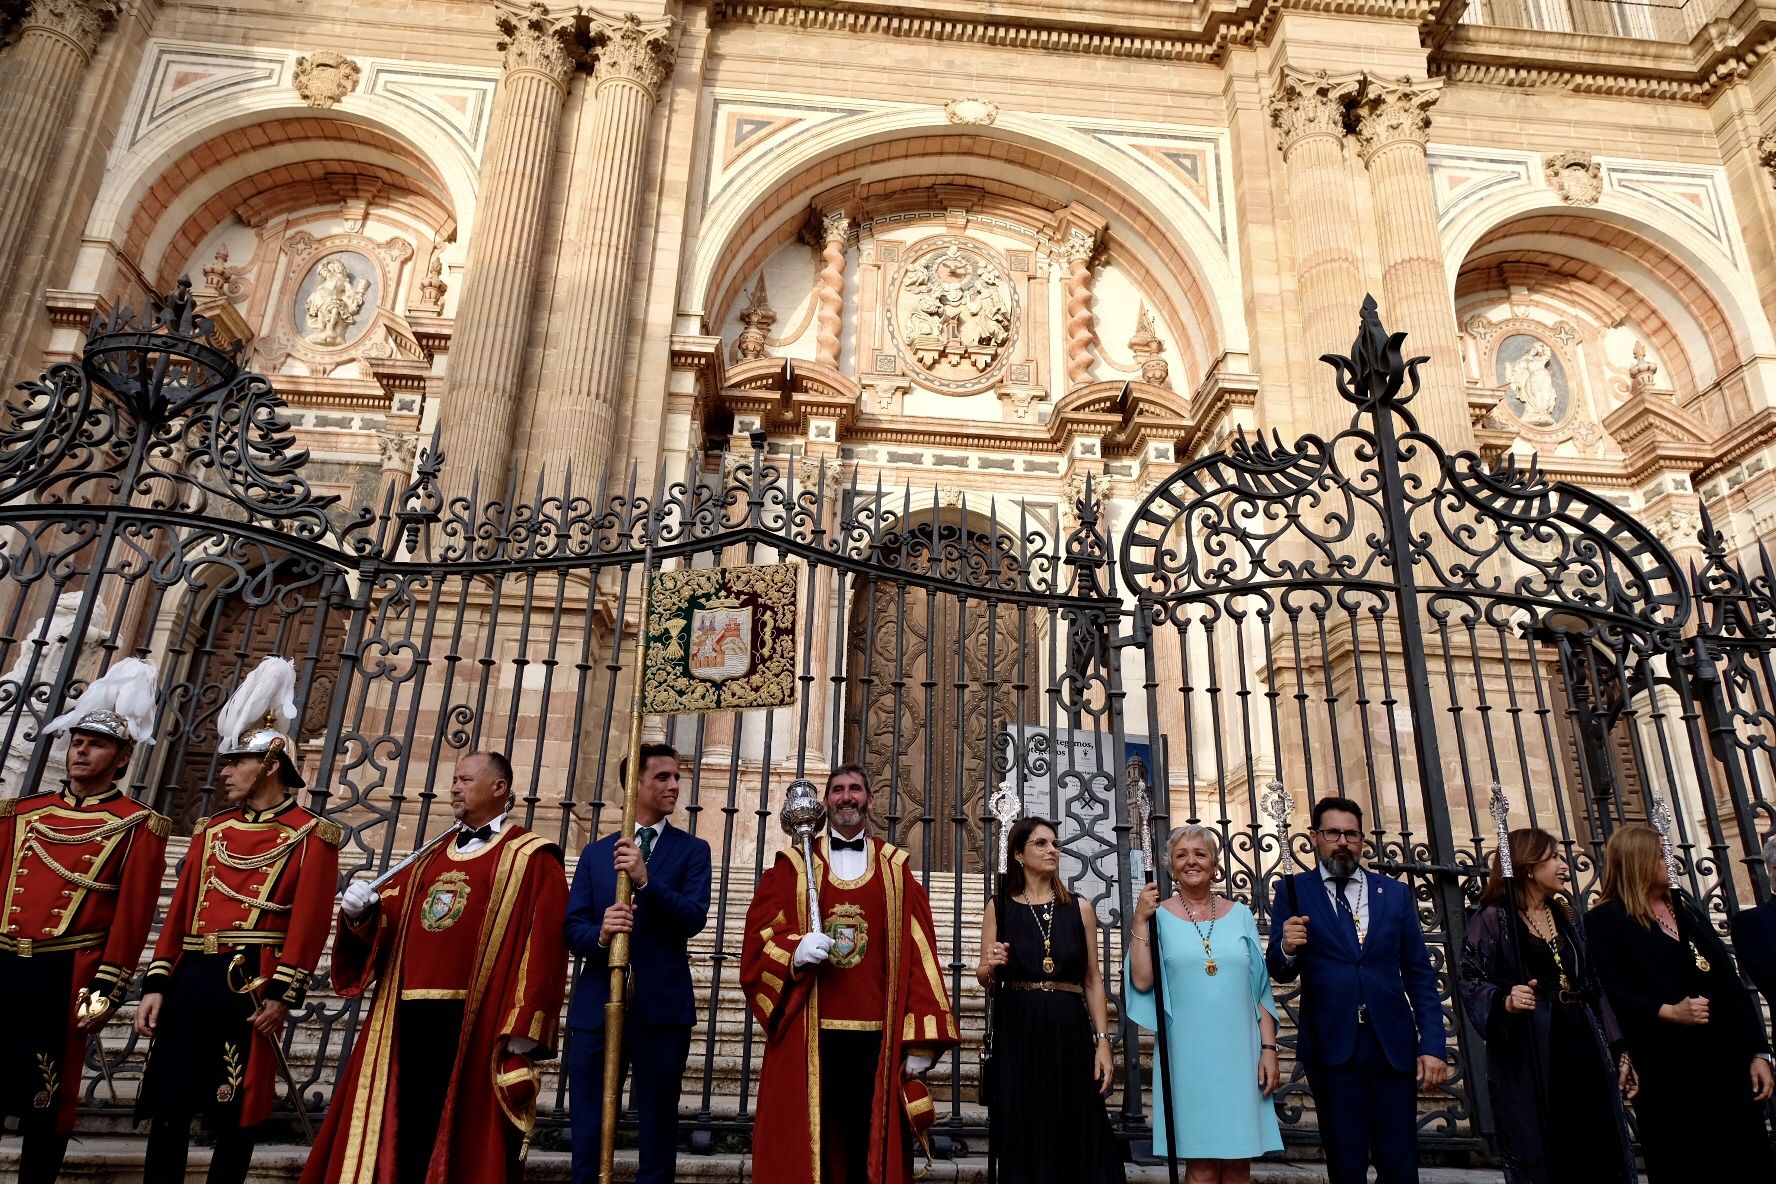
column 646, row 835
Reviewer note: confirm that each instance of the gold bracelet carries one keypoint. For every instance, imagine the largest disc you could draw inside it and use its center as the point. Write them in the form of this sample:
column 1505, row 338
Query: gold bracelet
column 1140, row 939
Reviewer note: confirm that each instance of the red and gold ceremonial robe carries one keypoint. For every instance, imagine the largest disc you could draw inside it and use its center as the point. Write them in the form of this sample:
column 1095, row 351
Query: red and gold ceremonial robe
column 883, row 971
column 260, row 884
column 485, row 927
column 79, row 876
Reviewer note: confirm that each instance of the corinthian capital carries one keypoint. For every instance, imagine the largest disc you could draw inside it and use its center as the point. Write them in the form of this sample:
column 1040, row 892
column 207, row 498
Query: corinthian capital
column 631, row 50
column 80, row 21
column 537, row 42
column 1309, row 103
column 1394, row 112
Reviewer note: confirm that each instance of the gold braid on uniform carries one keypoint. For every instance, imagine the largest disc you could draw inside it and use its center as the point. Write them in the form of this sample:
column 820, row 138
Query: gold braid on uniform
column 252, row 902
column 252, row 863
column 37, row 834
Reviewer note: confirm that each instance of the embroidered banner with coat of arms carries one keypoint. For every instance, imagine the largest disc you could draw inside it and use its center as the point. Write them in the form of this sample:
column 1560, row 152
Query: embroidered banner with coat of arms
column 721, row 639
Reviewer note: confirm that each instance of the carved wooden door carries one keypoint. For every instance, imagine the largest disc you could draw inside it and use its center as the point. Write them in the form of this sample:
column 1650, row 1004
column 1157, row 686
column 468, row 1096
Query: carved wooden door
column 923, row 713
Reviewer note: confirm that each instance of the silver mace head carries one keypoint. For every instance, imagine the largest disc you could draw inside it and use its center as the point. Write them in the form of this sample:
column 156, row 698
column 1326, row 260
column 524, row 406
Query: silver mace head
column 1140, row 806
column 803, row 812
column 1500, row 808
column 1276, row 805
column 1006, row 807
column 1660, row 812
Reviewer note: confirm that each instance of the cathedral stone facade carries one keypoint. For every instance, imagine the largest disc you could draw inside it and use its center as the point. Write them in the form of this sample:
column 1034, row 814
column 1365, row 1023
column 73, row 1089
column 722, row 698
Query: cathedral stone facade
column 1002, row 253
column 975, row 255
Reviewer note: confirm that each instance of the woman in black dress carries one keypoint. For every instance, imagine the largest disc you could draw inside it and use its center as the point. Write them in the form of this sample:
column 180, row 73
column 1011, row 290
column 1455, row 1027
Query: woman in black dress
column 1051, row 1050
column 1698, row 1048
column 1528, row 985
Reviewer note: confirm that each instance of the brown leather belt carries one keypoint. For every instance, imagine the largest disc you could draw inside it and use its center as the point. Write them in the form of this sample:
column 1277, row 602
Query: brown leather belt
column 1045, row 984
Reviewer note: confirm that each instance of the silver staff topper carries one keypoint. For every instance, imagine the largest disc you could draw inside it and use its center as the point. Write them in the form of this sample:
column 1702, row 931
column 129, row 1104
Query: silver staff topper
column 1141, row 813
column 1006, row 807
column 1500, row 808
column 1661, row 818
column 1276, row 804
column 803, row 812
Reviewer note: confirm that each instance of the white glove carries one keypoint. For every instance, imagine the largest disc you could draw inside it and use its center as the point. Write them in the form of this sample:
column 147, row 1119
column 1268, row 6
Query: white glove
column 917, row 1063
column 358, row 899
column 814, row 947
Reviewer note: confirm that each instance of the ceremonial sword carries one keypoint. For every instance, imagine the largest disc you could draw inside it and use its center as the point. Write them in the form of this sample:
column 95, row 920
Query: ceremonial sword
column 250, row 988
column 88, row 1005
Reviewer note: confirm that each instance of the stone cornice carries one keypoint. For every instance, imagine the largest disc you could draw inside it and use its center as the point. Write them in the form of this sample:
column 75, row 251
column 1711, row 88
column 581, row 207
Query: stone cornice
column 1719, row 54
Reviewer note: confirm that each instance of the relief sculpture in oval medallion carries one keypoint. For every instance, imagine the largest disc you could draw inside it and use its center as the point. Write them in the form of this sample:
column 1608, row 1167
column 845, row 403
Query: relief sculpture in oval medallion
column 955, row 314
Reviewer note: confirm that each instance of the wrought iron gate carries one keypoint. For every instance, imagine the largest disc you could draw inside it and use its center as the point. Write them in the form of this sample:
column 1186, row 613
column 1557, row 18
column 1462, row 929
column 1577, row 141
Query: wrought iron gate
column 1361, row 615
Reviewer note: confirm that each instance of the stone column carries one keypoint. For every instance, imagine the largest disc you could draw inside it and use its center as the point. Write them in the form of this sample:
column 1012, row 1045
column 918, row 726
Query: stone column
column 829, row 289
column 1393, row 122
column 39, row 82
column 481, row 389
column 1307, row 109
column 577, row 407
column 1081, row 325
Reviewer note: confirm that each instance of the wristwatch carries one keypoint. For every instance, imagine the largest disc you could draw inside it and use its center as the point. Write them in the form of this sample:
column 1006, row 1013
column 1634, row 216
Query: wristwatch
column 1097, row 1036
column 1766, row 1058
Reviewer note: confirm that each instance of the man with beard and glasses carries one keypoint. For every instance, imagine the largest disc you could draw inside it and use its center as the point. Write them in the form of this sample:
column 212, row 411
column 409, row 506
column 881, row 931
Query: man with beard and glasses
column 1371, row 1024
column 854, row 1011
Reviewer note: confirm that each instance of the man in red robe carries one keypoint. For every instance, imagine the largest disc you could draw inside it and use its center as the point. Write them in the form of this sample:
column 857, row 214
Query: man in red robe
column 850, row 1010
column 79, row 882
column 466, row 942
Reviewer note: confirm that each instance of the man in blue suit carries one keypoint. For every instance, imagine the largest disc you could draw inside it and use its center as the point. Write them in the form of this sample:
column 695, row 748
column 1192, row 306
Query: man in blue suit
column 1754, row 935
column 670, row 871
column 1371, row 1025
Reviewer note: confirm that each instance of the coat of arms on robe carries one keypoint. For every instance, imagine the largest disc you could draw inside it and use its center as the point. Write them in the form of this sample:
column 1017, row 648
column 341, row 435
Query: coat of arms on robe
column 849, row 931
column 722, row 639
column 444, row 902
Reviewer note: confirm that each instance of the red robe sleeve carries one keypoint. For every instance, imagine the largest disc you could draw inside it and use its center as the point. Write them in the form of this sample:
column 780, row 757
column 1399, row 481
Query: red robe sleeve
column 178, row 919
column 311, row 914
column 534, row 1012
column 138, row 895
column 359, row 949
column 774, row 927
column 929, row 1022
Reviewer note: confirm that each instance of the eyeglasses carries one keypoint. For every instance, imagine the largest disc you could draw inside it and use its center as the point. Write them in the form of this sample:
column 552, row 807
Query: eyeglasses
column 1349, row 836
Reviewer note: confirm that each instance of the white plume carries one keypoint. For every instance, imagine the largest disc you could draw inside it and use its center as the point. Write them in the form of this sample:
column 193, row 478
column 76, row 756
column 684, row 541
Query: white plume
column 269, row 687
column 128, row 689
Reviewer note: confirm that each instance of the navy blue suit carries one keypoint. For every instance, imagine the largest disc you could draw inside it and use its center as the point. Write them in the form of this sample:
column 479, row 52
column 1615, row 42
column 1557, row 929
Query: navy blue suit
column 661, row 1008
column 1367, row 1012
column 1754, row 941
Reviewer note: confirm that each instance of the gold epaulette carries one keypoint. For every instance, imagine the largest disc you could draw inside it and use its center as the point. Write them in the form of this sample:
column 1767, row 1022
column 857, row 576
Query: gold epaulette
column 200, row 824
column 160, row 824
column 330, row 833
column 7, row 806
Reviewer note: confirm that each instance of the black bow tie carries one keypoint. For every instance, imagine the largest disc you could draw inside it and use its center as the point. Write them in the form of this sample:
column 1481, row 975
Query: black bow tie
column 465, row 836
column 838, row 844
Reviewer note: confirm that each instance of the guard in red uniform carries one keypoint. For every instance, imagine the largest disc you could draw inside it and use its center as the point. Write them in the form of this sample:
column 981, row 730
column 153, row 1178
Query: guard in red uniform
column 467, row 945
column 247, row 925
column 853, row 1012
column 79, row 880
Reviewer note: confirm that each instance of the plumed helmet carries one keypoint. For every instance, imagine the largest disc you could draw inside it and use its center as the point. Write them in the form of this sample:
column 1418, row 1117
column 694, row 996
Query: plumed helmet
column 119, row 704
column 259, row 719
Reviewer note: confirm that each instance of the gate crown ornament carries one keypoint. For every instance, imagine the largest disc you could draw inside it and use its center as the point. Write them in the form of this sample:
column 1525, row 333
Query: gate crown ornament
column 161, row 368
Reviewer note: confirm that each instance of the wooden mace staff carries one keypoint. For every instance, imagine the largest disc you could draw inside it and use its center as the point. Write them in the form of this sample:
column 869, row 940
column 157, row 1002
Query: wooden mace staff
column 619, row 947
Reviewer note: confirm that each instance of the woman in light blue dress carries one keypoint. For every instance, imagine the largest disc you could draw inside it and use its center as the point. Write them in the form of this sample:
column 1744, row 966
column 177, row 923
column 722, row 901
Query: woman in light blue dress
column 1221, row 1021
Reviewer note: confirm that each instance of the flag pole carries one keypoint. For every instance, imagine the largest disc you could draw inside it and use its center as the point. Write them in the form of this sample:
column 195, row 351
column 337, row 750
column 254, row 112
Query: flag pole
column 619, row 946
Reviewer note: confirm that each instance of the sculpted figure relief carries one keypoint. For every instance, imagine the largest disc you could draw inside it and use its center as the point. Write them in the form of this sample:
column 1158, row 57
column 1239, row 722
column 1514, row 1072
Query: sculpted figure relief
column 1531, row 379
column 955, row 313
column 334, row 305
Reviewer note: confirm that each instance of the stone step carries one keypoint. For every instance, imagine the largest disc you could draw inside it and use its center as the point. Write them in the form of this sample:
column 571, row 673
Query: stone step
column 118, row 1160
